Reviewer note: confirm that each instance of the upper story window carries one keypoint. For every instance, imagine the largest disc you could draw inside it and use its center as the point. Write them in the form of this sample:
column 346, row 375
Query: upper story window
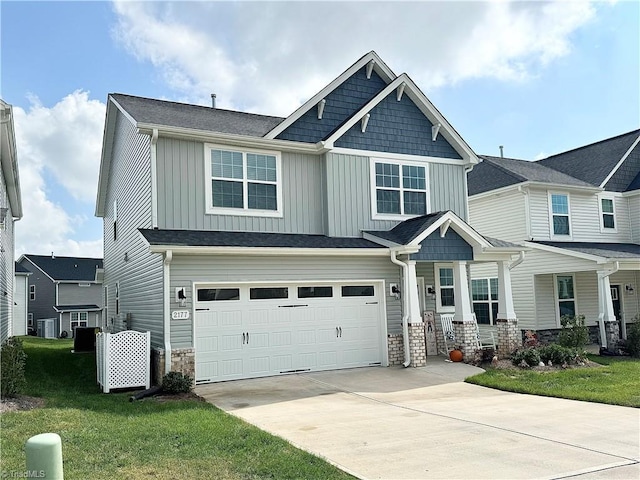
column 560, row 214
column 32, row 292
column 243, row 182
column 398, row 189
column 607, row 215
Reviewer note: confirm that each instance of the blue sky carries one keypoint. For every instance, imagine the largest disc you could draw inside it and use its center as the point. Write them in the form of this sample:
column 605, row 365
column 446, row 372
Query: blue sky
column 539, row 78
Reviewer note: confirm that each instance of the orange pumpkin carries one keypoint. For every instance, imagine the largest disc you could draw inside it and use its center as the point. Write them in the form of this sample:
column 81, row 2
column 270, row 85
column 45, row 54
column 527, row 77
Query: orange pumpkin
column 455, row 355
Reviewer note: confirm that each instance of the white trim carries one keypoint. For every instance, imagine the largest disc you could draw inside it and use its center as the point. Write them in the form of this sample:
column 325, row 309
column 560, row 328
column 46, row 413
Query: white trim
column 490, row 301
column 541, row 185
column 318, row 252
column 552, row 233
column 566, row 251
column 154, row 178
column 461, row 228
column 32, row 293
column 601, row 213
column 436, row 272
column 25, row 257
column 245, row 211
column 404, row 157
column 557, row 299
column 379, row 240
column 619, row 164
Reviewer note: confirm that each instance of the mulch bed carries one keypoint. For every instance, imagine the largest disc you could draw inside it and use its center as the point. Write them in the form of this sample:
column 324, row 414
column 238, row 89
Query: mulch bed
column 507, row 365
column 20, row 403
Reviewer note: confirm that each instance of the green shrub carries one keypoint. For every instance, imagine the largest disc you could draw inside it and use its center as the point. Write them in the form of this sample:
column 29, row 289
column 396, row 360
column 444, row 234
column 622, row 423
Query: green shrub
column 531, row 357
column 633, row 338
column 558, row 354
column 177, row 382
column 574, row 334
column 12, row 363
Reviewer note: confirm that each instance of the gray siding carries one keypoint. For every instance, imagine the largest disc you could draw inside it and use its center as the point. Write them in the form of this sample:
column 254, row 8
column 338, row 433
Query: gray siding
column 73, row 294
column 42, row 306
column 450, row 248
column 139, row 278
column 182, row 199
column 212, row 269
column 447, row 189
column 6, row 264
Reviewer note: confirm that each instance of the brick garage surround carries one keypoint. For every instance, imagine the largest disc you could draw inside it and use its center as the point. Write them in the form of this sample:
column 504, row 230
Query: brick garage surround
column 395, row 347
column 509, row 337
column 182, row 360
column 417, row 346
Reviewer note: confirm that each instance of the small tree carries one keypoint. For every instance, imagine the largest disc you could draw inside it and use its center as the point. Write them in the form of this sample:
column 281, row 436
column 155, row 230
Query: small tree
column 12, row 364
column 574, row 334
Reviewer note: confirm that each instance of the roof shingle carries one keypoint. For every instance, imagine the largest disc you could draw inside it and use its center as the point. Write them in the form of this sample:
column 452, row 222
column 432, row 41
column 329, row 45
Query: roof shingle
column 67, row 268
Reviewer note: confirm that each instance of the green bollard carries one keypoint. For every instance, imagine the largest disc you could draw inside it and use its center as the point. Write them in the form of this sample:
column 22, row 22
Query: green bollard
column 44, row 456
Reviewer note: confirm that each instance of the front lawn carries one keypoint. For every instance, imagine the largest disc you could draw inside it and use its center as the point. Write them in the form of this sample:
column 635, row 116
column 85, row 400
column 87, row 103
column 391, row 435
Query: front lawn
column 104, row 436
column 616, row 382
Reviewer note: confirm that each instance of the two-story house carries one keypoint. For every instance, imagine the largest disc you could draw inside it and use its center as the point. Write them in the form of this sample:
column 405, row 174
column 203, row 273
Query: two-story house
column 10, row 211
column 66, row 290
column 579, row 213
column 251, row 245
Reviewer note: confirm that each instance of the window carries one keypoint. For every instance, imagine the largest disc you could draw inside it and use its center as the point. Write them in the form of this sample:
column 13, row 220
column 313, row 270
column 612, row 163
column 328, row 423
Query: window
column 315, row 292
column 565, row 295
column 30, row 319
column 243, row 182
column 115, row 220
column 358, row 291
column 607, row 214
column 79, row 319
column 484, row 295
column 560, row 214
column 445, row 300
column 117, row 296
column 268, row 293
column 32, row 292
column 218, row 294
column 398, row 189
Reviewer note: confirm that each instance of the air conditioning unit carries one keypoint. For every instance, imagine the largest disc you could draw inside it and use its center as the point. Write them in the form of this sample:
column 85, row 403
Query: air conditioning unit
column 46, row 328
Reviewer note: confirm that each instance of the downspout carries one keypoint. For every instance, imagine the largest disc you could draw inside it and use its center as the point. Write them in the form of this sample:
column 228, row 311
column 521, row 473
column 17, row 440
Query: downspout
column 603, row 336
column 405, row 307
column 168, row 256
column 154, row 180
column 518, row 261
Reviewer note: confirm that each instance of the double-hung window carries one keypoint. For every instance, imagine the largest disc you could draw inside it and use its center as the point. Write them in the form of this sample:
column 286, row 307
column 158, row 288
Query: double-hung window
column 484, row 293
column 78, row 319
column 565, row 295
column 559, row 209
column 607, row 215
column 243, row 182
column 398, row 189
column 32, row 292
column 445, row 300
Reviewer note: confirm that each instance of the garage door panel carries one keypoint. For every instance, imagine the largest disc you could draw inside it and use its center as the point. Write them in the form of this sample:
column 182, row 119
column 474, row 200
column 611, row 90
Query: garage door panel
column 327, row 335
column 282, row 363
column 281, row 339
column 258, row 340
column 328, row 359
column 230, row 318
column 258, row 318
column 231, row 368
column 230, row 343
column 207, row 345
column 260, row 366
column 306, row 337
column 305, row 361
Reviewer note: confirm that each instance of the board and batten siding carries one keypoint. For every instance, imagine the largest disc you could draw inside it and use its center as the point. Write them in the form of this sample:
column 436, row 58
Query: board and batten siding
column 500, row 216
column 348, row 199
column 182, row 199
column 74, row 294
column 228, row 268
column 140, row 276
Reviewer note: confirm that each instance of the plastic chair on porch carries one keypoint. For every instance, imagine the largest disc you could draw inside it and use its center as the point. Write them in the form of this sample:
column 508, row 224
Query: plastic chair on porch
column 486, row 340
column 446, row 320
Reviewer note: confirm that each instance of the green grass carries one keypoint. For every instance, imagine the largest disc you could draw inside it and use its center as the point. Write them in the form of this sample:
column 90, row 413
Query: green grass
column 104, row 436
column 616, row 382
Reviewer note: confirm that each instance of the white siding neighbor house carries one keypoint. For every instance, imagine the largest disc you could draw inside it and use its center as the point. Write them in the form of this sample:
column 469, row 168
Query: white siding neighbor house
column 579, row 214
column 251, row 245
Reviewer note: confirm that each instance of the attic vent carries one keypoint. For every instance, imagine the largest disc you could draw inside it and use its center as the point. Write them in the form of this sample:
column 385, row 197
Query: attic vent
column 213, row 100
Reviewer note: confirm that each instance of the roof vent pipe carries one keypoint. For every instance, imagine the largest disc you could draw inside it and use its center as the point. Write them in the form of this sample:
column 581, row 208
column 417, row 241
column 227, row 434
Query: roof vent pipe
column 213, row 100
column 501, row 151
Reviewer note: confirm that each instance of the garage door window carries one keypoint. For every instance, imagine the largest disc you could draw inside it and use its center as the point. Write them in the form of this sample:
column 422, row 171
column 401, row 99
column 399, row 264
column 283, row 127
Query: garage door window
column 268, row 293
column 315, row 292
column 218, row 294
column 358, row 291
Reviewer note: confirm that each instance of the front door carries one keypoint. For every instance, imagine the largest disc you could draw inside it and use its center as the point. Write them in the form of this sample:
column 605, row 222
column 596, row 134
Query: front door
column 617, row 308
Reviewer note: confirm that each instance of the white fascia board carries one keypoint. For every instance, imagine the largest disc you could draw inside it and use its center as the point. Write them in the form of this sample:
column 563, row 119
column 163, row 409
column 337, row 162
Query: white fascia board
column 498, row 191
column 397, row 156
column 379, row 66
column 463, row 229
column 537, row 185
column 231, row 139
column 9, row 159
column 105, row 159
column 32, row 263
column 565, row 251
column 619, row 164
column 380, row 241
column 284, row 251
column 496, row 256
column 627, row 263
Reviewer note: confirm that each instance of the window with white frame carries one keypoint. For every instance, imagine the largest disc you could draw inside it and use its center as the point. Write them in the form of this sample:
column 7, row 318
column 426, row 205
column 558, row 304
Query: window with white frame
column 79, row 319
column 484, row 296
column 445, row 299
column 565, row 295
column 607, row 214
column 32, row 292
column 117, row 298
column 244, row 182
column 30, row 319
column 398, row 189
column 560, row 219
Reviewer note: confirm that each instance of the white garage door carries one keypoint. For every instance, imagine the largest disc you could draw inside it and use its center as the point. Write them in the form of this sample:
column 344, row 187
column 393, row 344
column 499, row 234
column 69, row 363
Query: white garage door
column 248, row 331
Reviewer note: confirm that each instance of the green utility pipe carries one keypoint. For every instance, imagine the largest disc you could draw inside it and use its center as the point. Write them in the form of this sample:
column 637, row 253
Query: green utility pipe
column 44, row 456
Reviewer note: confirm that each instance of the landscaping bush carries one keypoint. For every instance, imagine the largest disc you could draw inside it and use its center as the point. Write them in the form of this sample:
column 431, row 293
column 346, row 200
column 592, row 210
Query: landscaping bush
column 632, row 343
column 12, row 363
column 530, row 356
column 177, row 382
column 558, row 354
column 574, row 334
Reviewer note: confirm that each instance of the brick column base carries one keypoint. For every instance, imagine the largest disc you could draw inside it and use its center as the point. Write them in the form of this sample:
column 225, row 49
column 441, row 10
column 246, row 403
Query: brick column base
column 417, row 345
column 395, row 345
column 508, row 336
column 182, row 360
column 466, row 339
column 612, row 334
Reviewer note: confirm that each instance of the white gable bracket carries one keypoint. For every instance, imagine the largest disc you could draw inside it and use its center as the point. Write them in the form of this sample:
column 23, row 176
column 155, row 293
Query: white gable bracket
column 370, row 68
column 365, row 121
column 434, row 131
column 444, row 227
column 400, row 91
column 321, row 105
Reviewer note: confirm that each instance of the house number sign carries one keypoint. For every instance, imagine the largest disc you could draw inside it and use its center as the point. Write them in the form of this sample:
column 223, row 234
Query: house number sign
column 180, row 315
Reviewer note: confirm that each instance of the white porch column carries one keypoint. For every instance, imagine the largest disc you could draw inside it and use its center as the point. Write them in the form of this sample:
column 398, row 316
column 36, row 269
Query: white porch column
column 463, row 309
column 505, row 295
column 415, row 315
column 605, row 305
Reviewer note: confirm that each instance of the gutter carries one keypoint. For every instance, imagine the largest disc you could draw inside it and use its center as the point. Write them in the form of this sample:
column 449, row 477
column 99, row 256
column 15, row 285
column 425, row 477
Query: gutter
column 518, row 261
column 405, row 306
column 154, row 179
column 166, row 265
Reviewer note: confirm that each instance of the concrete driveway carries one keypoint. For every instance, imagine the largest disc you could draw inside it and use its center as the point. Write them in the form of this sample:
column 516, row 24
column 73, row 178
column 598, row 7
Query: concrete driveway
column 424, row 423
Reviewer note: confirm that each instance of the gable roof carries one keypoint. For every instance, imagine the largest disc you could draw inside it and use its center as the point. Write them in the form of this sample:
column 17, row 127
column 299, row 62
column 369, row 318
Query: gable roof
column 20, row 270
column 609, row 251
column 66, row 268
column 598, row 162
column 404, row 232
column 147, row 112
column 497, row 172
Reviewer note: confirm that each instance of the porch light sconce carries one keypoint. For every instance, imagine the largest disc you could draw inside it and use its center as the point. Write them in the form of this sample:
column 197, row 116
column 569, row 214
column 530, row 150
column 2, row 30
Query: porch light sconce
column 431, row 290
column 181, row 296
column 434, row 131
column 321, row 105
column 395, row 291
column 629, row 289
column 365, row 121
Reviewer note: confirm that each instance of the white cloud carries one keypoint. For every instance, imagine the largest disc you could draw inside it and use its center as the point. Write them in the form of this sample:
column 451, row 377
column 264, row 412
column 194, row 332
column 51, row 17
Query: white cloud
column 271, row 56
column 63, row 141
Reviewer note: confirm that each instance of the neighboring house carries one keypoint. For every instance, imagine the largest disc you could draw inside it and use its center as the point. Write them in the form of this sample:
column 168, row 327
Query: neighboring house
column 66, row 289
column 579, row 213
column 10, row 211
column 251, row 245
column 22, row 322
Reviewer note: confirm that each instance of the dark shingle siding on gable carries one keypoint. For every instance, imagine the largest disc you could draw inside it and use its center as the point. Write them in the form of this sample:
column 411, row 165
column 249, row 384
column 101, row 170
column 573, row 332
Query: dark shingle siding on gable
column 624, row 177
column 450, row 248
column 342, row 103
column 397, row 127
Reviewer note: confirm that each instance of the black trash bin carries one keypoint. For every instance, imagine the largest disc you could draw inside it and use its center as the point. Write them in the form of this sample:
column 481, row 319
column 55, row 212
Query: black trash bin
column 84, row 339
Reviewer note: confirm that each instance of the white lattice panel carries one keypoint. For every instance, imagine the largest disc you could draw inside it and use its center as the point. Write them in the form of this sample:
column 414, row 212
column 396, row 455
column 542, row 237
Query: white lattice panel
column 124, row 359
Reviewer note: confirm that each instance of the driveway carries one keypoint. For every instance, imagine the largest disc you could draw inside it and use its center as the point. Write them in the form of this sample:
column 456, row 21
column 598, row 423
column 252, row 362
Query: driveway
column 425, row 423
